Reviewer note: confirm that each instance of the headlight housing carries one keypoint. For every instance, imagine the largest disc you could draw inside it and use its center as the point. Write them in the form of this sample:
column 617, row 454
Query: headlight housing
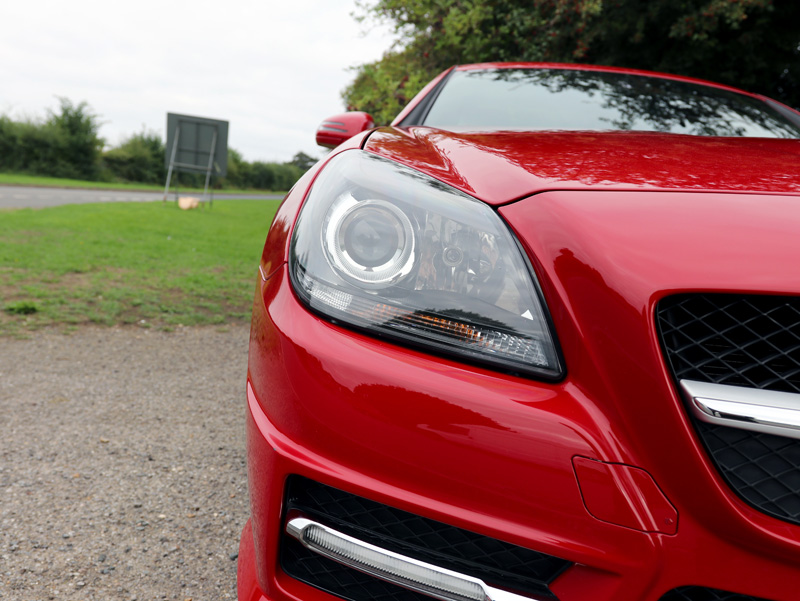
column 388, row 250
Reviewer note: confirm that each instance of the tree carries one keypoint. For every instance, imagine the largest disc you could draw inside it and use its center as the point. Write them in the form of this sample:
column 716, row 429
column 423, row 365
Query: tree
column 302, row 161
column 79, row 146
column 752, row 44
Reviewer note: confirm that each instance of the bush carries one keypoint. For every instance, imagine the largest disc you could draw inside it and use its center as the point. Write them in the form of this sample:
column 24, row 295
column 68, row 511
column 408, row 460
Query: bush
column 65, row 145
column 238, row 170
column 260, row 175
column 140, row 158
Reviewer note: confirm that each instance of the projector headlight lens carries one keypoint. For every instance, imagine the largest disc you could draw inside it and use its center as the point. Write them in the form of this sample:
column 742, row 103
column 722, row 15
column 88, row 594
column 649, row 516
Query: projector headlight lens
column 369, row 242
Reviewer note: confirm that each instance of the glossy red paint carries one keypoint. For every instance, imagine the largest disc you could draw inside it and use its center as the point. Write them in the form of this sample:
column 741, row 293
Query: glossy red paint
column 246, row 579
column 605, row 259
column 471, row 434
column 624, row 495
column 340, row 128
column 493, row 454
column 532, row 162
column 588, row 469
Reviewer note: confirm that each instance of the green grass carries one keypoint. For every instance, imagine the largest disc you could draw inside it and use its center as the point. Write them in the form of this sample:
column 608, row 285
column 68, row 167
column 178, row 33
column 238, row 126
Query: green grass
column 149, row 264
column 15, row 179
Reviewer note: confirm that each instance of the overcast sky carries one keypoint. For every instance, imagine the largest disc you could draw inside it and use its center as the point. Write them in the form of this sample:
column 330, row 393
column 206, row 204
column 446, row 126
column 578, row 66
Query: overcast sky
column 273, row 69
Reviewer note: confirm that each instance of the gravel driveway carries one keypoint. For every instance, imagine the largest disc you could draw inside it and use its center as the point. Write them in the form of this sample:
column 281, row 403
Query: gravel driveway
column 122, row 472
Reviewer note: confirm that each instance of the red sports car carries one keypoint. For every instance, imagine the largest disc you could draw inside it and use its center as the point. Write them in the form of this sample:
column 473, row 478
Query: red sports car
column 537, row 340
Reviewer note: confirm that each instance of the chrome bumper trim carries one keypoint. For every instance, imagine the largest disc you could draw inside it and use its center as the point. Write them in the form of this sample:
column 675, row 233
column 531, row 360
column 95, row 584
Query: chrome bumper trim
column 765, row 411
column 394, row 568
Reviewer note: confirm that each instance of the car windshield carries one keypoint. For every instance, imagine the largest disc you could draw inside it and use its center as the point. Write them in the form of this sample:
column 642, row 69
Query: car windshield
column 565, row 99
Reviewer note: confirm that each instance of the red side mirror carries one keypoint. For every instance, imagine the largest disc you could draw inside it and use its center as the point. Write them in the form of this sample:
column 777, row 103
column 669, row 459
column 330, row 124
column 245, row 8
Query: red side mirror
column 339, row 128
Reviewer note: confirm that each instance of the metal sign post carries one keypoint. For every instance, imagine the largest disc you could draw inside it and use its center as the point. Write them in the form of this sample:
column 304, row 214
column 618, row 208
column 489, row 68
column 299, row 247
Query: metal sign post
column 196, row 144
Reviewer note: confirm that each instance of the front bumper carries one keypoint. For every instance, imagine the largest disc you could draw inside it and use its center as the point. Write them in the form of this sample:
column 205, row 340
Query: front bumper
column 537, row 465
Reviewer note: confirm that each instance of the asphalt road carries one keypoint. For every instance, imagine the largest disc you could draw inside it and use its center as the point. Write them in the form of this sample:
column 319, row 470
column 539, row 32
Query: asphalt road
column 21, row 197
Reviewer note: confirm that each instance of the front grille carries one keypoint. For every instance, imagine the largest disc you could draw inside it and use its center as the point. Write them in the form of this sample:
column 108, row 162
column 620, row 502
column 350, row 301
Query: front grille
column 739, row 340
column 496, row 562
column 699, row 593
column 749, row 341
column 763, row 469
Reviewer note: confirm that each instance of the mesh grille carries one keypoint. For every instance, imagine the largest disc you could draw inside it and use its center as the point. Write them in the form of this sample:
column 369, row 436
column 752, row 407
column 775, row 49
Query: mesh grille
column 496, row 562
column 699, row 593
column 763, row 469
column 753, row 342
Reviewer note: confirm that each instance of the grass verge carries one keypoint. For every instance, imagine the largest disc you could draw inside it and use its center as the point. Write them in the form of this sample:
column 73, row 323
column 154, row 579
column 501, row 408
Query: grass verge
column 15, row 179
column 149, row 264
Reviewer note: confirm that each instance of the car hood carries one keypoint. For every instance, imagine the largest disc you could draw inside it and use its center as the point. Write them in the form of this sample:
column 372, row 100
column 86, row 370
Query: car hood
column 500, row 167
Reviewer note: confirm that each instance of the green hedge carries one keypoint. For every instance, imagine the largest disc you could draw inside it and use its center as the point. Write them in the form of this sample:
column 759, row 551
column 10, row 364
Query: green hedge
column 67, row 144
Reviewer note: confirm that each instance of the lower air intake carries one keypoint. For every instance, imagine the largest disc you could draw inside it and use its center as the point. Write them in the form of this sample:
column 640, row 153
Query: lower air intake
column 496, row 562
column 699, row 593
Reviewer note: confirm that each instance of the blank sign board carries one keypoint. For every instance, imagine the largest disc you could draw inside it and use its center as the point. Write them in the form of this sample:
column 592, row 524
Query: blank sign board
column 197, row 138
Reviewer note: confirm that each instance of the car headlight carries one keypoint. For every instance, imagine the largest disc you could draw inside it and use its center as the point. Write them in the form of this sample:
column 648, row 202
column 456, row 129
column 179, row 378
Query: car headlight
column 391, row 251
